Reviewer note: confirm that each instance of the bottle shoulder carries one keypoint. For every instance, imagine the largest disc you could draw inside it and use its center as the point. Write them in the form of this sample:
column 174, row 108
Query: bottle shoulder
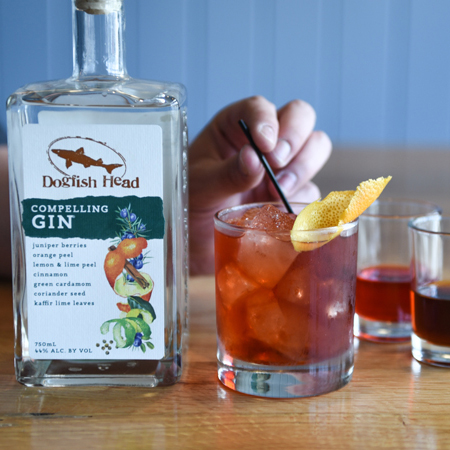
column 103, row 92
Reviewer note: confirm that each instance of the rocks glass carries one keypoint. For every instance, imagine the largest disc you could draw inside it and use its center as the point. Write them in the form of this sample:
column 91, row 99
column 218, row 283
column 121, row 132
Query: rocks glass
column 383, row 310
column 284, row 318
column 430, row 302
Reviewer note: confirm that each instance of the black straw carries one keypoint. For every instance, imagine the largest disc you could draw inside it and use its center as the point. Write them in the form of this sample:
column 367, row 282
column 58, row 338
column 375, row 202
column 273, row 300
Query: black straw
column 264, row 162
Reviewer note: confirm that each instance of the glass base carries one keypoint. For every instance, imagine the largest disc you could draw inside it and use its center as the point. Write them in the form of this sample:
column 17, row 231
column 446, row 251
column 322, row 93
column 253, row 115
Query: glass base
column 60, row 373
column 423, row 351
column 377, row 331
column 287, row 382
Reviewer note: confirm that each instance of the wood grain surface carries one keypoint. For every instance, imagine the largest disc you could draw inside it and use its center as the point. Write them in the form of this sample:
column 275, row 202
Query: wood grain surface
column 393, row 402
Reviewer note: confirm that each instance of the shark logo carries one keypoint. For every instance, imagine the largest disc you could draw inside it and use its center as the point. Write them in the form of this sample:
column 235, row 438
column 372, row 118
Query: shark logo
column 74, row 155
column 79, row 157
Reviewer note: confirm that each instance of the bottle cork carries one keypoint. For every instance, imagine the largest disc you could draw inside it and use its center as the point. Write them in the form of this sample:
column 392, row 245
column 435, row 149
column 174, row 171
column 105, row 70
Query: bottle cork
column 98, row 6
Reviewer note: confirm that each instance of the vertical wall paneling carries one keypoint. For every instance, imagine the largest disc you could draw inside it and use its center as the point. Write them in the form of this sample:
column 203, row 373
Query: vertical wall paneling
column 160, row 37
column 25, row 50
column 24, row 47
column 429, row 73
column 397, row 71
column 132, row 41
column 329, row 70
column 228, row 52
column 59, row 39
column 183, row 32
column 196, row 63
column 296, row 42
column 263, row 48
column 2, row 74
column 376, row 71
column 363, row 87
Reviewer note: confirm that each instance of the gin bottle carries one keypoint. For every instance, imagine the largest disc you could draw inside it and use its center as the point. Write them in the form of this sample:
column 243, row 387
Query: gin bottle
column 98, row 194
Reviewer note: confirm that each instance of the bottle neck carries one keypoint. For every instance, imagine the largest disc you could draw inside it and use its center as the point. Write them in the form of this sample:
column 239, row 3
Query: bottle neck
column 98, row 40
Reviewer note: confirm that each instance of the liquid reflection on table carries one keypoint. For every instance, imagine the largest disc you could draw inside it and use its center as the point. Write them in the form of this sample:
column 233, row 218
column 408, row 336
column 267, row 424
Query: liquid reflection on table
column 392, row 402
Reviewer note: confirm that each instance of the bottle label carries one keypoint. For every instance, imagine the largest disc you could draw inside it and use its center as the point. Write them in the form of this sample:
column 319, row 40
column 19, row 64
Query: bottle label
column 93, row 223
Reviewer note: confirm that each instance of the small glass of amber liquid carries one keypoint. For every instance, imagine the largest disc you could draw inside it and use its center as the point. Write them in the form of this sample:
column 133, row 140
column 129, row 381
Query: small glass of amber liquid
column 430, row 299
column 383, row 284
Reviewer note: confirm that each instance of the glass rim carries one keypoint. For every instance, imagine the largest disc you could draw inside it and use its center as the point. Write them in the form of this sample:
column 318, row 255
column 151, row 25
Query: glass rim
column 240, row 228
column 414, row 224
column 434, row 209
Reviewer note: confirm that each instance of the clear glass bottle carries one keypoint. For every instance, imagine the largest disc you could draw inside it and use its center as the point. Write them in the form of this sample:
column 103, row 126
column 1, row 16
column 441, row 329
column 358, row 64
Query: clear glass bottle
column 98, row 194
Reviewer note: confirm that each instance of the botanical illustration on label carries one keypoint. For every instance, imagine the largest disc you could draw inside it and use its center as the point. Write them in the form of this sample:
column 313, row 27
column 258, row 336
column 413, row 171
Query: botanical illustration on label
column 124, row 264
column 93, row 223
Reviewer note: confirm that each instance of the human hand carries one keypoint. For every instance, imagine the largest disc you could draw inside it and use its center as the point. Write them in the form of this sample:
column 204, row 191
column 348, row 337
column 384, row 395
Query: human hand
column 225, row 171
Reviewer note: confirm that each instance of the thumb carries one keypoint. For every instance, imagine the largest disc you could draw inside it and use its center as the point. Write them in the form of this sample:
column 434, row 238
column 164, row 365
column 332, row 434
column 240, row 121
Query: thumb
column 224, row 178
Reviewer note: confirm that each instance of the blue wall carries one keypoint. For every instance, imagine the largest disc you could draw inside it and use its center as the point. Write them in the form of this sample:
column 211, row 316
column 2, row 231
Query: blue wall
column 376, row 71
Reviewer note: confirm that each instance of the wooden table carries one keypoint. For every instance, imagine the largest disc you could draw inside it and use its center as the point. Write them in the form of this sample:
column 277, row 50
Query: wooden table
column 392, row 402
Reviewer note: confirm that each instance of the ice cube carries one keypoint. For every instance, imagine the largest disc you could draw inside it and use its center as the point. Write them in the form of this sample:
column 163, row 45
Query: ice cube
column 268, row 324
column 232, row 331
column 336, row 297
column 246, row 218
column 337, row 258
column 325, row 274
column 324, row 303
column 333, row 336
column 270, row 218
column 232, row 284
column 264, row 258
column 295, row 286
column 264, row 316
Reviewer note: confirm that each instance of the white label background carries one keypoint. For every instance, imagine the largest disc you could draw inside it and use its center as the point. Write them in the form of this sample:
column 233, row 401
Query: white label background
column 77, row 327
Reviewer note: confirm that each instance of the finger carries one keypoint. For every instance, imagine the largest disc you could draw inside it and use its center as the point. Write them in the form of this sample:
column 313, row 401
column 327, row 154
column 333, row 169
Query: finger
column 306, row 194
column 258, row 113
column 224, row 178
column 296, row 123
column 306, row 164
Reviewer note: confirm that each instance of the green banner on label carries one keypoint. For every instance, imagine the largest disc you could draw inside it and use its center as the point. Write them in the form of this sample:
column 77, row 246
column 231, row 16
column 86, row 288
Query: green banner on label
column 94, row 217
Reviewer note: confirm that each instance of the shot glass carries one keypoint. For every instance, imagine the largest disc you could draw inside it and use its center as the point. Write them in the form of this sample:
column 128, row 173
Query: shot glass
column 430, row 300
column 383, row 307
column 284, row 317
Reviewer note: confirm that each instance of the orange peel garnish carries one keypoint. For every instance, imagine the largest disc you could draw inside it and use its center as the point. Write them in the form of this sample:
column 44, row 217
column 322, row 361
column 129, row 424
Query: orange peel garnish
column 366, row 193
column 335, row 210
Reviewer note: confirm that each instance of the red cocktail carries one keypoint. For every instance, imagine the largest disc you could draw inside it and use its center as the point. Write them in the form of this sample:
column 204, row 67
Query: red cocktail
column 280, row 312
